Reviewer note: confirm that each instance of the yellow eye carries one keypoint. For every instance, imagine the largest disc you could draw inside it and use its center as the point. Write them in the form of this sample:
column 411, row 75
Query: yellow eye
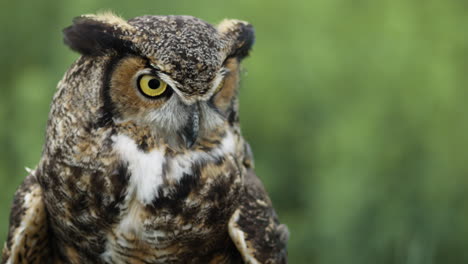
column 151, row 86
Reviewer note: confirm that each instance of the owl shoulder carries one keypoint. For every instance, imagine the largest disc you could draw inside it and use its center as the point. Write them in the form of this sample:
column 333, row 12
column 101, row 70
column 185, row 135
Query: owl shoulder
column 28, row 237
column 254, row 226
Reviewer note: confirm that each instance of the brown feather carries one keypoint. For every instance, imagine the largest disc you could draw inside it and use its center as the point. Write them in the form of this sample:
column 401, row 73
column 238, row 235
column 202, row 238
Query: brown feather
column 29, row 237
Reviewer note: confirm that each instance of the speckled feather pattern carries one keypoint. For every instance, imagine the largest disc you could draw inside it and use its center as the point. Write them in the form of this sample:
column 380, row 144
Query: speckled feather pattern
column 117, row 186
column 189, row 48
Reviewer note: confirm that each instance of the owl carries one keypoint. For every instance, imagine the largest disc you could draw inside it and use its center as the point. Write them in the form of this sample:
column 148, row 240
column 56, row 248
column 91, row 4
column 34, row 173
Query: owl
column 144, row 160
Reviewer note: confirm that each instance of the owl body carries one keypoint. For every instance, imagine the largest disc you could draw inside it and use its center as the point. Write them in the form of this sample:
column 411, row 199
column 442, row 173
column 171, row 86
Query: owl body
column 154, row 203
column 144, row 161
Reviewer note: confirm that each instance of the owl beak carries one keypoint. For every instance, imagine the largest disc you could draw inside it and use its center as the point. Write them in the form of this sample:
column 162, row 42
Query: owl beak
column 190, row 131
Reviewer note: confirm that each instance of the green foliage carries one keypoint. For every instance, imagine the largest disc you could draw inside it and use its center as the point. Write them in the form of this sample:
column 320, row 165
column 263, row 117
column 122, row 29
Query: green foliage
column 355, row 111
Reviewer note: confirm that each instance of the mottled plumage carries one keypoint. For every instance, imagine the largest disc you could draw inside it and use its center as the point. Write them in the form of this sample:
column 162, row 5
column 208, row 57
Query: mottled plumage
column 144, row 161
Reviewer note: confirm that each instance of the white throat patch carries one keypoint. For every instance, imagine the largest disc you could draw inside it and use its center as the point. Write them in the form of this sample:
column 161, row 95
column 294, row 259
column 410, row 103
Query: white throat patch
column 146, row 168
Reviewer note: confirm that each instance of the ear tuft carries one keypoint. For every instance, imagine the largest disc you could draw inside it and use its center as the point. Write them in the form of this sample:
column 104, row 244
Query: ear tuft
column 241, row 35
column 98, row 34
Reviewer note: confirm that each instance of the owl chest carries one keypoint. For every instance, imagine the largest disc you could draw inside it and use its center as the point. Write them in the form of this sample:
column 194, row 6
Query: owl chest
column 174, row 207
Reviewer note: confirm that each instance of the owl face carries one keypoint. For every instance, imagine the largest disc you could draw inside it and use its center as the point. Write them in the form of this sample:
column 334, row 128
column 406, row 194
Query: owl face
column 175, row 74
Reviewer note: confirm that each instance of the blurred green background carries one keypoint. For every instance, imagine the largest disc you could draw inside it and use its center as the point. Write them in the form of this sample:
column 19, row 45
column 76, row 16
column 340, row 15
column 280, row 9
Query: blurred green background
column 356, row 112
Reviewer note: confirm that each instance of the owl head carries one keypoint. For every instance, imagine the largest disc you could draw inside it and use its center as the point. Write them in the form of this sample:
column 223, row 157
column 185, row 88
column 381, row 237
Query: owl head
column 177, row 75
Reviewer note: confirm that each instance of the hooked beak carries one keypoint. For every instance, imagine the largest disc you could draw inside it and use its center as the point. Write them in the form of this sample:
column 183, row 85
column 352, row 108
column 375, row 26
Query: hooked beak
column 190, row 131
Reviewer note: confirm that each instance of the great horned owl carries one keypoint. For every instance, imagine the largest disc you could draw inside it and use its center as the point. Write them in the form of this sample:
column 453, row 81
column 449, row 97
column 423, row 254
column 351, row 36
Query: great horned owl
column 144, row 161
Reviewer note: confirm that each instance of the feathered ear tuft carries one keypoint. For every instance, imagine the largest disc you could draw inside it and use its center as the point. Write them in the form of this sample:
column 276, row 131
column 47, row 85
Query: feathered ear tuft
column 241, row 35
column 98, row 34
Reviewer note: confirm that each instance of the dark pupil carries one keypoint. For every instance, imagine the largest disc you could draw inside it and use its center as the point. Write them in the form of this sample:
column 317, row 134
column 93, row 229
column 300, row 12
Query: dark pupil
column 154, row 84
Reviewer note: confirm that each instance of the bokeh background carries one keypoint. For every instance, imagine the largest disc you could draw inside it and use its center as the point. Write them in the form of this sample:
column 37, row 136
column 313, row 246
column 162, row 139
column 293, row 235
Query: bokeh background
column 356, row 112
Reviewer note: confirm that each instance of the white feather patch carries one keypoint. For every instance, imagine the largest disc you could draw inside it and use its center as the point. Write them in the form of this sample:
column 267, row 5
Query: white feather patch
column 28, row 170
column 145, row 168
